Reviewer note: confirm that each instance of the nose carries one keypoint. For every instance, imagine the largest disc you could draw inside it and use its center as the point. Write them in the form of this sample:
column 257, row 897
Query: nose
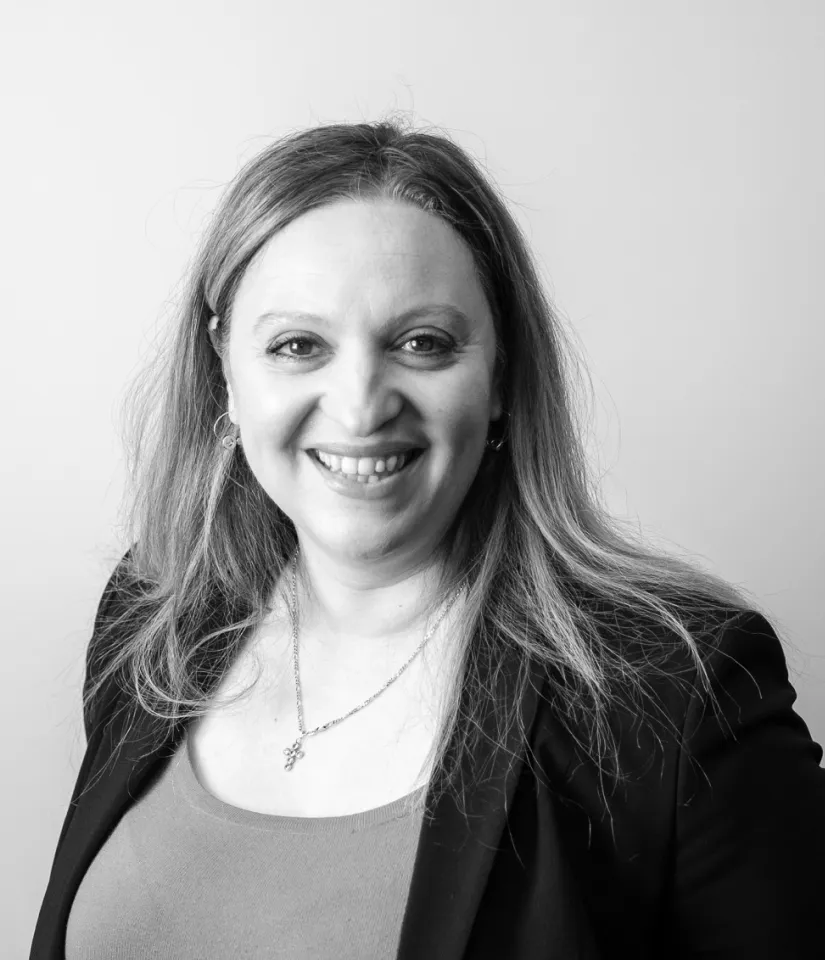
column 359, row 395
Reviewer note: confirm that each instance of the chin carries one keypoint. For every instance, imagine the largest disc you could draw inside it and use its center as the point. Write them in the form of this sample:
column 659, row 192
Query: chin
column 363, row 542
column 359, row 545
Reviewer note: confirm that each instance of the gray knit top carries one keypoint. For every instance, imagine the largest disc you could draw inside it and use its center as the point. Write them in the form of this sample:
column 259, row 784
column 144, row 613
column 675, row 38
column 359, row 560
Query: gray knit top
column 186, row 875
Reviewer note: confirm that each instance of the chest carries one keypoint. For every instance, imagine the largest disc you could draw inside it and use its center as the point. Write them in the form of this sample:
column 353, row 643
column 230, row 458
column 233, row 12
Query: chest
column 379, row 754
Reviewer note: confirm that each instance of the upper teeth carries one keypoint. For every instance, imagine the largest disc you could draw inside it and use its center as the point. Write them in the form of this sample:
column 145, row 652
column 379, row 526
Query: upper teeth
column 366, row 467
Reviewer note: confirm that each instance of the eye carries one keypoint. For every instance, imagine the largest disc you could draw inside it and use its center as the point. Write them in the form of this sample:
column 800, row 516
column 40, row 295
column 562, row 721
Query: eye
column 298, row 347
column 428, row 345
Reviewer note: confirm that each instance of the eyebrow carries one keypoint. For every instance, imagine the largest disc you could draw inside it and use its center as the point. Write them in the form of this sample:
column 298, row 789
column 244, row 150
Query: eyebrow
column 445, row 310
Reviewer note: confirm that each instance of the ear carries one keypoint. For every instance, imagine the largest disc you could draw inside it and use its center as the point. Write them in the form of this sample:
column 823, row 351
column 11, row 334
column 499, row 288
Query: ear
column 212, row 328
column 231, row 403
column 496, row 406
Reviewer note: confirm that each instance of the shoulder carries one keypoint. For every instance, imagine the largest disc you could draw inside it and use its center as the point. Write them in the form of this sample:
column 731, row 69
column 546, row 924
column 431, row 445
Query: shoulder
column 743, row 731
column 112, row 609
column 743, row 672
column 741, row 678
column 693, row 748
column 742, row 682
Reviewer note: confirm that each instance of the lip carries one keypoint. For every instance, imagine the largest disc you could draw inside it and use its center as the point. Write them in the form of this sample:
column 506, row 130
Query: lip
column 365, row 491
column 377, row 451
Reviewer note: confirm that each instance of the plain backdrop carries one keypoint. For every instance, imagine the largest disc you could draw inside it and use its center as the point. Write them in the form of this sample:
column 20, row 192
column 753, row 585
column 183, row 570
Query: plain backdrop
column 666, row 160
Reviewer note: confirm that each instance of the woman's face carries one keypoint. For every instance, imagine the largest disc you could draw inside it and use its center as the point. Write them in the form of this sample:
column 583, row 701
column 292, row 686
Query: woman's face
column 361, row 370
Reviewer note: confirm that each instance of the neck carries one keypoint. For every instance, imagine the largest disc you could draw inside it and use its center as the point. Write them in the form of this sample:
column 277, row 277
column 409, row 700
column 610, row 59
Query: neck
column 379, row 603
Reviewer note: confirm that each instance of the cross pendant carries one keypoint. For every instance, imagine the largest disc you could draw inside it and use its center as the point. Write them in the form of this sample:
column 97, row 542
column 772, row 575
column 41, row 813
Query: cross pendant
column 293, row 753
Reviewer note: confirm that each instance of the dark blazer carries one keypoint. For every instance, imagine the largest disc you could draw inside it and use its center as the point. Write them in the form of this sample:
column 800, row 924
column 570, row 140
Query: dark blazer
column 715, row 849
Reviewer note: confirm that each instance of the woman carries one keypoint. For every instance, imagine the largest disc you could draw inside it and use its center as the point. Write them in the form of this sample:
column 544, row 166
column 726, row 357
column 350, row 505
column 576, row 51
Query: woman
column 379, row 676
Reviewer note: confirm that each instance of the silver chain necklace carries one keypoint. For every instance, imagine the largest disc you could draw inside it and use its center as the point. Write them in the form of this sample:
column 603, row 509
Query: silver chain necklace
column 295, row 753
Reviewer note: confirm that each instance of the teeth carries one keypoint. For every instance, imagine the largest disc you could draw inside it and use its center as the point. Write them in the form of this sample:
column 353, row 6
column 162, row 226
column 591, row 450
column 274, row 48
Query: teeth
column 363, row 469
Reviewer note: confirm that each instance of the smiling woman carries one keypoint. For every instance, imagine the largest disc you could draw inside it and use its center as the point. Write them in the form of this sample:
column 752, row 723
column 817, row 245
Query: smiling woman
column 379, row 674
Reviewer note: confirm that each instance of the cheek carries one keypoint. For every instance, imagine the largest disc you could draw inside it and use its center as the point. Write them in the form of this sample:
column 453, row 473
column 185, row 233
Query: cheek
column 267, row 412
column 465, row 428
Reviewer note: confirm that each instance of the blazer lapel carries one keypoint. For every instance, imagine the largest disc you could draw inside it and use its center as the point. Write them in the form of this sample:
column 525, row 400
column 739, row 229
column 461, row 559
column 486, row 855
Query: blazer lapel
column 456, row 852
column 456, row 855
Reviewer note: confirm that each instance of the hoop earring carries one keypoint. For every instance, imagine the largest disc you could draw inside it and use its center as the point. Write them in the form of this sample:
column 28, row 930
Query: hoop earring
column 229, row 442
column 495, row 444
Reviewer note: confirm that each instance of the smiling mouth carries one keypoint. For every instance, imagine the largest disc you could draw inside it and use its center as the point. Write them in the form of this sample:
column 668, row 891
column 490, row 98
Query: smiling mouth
column 366, row 469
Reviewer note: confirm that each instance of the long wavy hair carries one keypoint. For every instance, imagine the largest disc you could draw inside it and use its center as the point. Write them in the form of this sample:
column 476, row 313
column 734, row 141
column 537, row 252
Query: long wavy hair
column 550, row 574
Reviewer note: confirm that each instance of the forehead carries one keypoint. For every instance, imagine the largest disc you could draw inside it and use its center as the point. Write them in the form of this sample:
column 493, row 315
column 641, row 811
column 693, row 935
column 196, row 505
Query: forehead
column 381, row 254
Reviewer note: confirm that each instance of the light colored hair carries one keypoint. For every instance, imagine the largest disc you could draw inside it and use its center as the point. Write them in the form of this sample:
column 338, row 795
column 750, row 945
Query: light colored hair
column 550, row 573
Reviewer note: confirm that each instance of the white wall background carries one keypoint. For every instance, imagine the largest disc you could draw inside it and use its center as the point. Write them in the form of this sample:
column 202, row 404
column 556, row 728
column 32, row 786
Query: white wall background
column 668, row 161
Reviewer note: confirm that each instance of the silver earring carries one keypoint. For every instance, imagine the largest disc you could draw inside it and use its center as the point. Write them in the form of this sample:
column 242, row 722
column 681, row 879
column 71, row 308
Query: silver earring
column 229, row 442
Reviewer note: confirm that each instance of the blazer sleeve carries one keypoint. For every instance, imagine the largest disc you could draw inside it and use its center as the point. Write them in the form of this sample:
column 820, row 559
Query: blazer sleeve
column 95, row 713
column 750, row 818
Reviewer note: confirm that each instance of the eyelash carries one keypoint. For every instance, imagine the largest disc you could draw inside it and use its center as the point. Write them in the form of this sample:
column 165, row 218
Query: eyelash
column 445, row 345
